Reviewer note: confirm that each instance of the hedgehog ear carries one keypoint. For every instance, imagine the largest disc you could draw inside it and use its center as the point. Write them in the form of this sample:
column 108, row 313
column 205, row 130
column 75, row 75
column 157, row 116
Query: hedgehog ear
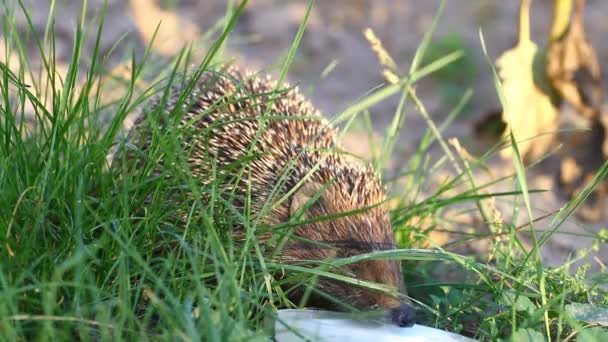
column 304, row 195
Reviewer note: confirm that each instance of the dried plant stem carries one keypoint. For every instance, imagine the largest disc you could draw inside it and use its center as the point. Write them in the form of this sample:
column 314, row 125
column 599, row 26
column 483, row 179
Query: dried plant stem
column 561, row 18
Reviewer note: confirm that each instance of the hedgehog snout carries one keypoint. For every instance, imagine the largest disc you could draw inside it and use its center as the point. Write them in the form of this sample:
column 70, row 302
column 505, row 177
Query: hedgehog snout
column 404, row 315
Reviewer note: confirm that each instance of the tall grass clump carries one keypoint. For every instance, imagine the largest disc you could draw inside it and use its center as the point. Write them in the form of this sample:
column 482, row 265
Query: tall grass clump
column 98, row 249
column 90, row 254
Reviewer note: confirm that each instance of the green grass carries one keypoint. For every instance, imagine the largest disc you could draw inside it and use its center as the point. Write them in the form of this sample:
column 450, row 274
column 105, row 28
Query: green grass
column 93, row 252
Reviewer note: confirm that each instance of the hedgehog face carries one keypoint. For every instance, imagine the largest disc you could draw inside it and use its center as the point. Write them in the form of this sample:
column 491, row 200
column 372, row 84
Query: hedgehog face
column 365, row 231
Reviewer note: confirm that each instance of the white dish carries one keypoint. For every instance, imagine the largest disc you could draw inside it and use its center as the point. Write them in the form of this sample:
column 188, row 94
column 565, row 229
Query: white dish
column 317, row 325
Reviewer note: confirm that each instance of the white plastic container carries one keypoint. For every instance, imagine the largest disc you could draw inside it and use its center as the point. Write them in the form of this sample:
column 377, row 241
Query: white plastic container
column 317, row 325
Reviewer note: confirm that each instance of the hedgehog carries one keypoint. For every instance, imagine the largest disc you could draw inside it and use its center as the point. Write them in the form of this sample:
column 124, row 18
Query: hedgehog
column 294, row 162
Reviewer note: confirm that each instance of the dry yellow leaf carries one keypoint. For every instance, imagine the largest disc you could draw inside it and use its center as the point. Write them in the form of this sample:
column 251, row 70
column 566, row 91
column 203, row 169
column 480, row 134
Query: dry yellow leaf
column 573, row 67
column 528, row 110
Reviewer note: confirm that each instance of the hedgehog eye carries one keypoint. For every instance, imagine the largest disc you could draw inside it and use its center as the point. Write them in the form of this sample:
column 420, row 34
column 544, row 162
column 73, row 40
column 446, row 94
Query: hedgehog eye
column 345, row 253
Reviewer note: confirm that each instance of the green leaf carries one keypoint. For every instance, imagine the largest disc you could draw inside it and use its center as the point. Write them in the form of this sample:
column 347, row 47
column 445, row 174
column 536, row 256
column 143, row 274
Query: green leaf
column 592, row 335
column 588, row 313
column 527, row 335
column 521, row 303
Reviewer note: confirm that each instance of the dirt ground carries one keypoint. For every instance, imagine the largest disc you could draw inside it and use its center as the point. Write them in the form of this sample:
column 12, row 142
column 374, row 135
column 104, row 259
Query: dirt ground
column 334, row 33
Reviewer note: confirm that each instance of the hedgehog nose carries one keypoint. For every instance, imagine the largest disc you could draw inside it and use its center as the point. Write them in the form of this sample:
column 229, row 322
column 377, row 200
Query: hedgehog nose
column 403, row 315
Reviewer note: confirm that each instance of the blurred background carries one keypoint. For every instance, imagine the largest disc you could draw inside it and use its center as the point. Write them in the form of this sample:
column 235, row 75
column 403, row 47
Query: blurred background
column 334, row 42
